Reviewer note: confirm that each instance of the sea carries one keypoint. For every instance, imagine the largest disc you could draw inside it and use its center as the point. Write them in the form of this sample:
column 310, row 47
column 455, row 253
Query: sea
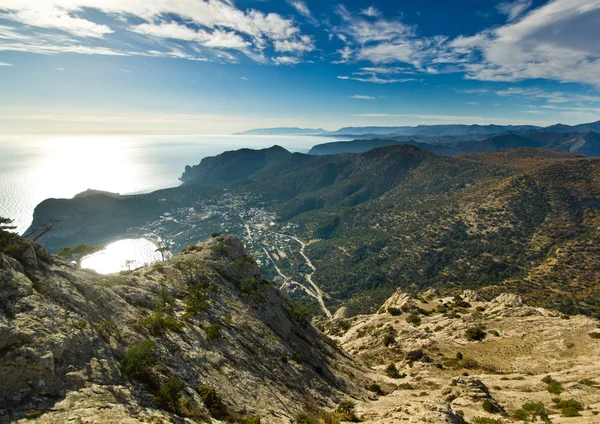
column 35, row 168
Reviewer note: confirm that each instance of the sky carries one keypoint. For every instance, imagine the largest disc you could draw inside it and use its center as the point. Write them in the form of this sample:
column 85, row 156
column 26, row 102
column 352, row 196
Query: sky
column 220, row 66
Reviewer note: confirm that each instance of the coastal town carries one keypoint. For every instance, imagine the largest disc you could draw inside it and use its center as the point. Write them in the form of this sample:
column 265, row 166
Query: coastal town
column 276, row 247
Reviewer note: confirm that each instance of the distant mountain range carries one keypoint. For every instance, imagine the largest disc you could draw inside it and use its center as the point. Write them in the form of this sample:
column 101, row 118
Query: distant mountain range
column 587, row 143
column 284, row 131
column 425, row 130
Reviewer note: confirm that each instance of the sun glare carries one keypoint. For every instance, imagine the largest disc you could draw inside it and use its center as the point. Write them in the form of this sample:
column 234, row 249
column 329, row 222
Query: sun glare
column 75, row 164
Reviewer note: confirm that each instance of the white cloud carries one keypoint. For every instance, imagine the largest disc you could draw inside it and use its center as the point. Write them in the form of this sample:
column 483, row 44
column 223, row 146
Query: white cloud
column 217, row 38
column 514, row 9
column 47, row 15
column 362, row 97
column 557, row 41
column 301, row 7
column 5, row 64
column 371, row 11
column 554, row 97
column 244, row 78
column 286, row 60
column 61, row 69
column 376, row 79
column 211, row 24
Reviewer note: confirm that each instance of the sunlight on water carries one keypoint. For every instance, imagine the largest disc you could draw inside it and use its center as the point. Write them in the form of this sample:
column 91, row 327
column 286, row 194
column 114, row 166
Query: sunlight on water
column 122, row 255
column 72, row 165
column 36, row 168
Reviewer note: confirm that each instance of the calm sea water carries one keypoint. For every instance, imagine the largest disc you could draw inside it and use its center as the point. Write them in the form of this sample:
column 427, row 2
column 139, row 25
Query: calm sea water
column 122, row 255
column 36, row 168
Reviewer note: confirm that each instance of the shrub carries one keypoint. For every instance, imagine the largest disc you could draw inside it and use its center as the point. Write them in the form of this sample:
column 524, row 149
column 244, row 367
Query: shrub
column 588, row 382
column 392, row 372
column 253, row 289
column 413, row 319
column 405, row 386
column 375, row 388
column 569, row 411
column 414, row 355
column 345, row 411
column 533, row 410
column 170, row 393
column 219, row 249
column 81, row 324
column 555, row 388
column 298, row 357
column 212, row 401
column 108, row 328
column 213, row 332
column 491, row 407
column 388, row 340
column 138, row 360
column 159, row 323
column 394, row 311
column 305, row 419
column 475, row 334
column 569, row 407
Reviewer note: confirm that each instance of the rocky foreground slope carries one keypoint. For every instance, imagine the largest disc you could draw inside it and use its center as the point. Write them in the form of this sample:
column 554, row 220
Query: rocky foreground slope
column 200, row 336
column 493, row 362
column 204, row 338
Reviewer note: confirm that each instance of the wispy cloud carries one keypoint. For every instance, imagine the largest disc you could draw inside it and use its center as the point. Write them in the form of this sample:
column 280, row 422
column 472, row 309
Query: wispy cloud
column 198, row 28
column 458, row 119
column 362, row 97
column 5, row 64
column 371, row 11
column 556, row 41
column 514, row 9
column 377, row 80
column 300, row 7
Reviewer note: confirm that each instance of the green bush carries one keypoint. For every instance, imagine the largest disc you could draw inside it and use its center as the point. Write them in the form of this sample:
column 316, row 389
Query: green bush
column 569, row 411
column 305, row 419
column 345, row 411
column 213, row 401
column 569, row 407
column 555, row 388
column 138, row 360
column 588, row 382
column 375, row 388
column 530, row 411
column 394, row 311
column 392, row 372
column 491, row 407
column 475, row 334
column 108, row 328
column 213, row 332
column 159, row 323
column 388, row 340
column 170, row 393
column 413, row 319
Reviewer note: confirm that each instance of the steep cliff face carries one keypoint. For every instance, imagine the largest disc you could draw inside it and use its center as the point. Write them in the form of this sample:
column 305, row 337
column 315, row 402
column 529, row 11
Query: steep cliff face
column 198, row 336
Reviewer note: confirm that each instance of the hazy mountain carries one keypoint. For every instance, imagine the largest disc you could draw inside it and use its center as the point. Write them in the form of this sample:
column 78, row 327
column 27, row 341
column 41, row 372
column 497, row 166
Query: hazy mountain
column 283, row 131
column 433, row 131
column 586, row 144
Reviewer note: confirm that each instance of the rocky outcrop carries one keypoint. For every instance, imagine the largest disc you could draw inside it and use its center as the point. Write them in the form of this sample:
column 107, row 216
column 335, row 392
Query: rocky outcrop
column 141, row 345
column 397, row 300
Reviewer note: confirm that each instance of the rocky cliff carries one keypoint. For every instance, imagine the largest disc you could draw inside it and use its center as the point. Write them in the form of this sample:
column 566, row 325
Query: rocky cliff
column 200, row 336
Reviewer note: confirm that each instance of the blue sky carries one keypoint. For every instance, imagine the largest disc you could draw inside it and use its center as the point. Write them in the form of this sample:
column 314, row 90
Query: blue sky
column 219, row 66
